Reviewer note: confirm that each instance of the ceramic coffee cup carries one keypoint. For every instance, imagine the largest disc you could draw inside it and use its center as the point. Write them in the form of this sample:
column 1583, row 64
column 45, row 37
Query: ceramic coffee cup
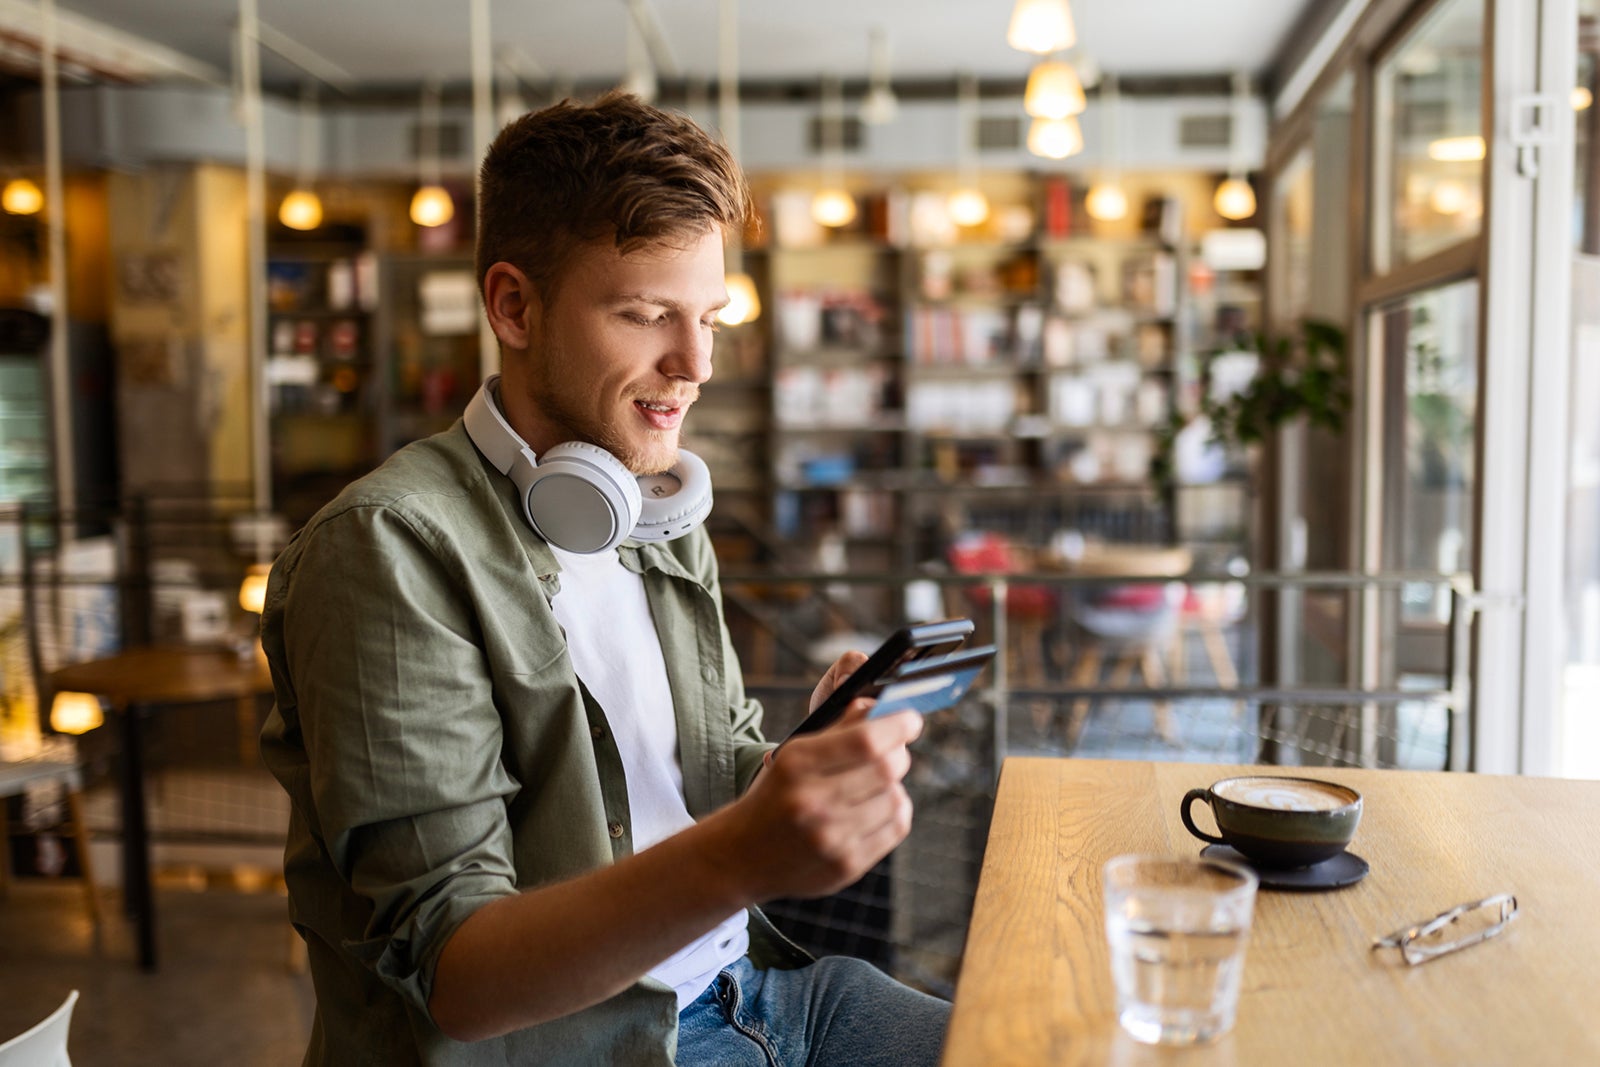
column 1278, row 821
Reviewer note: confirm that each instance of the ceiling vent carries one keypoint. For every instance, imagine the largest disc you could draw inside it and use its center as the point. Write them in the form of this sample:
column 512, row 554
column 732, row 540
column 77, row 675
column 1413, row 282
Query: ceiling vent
column 819, row 134
column 449, row 145
column 998, row 133
column 1205, row 131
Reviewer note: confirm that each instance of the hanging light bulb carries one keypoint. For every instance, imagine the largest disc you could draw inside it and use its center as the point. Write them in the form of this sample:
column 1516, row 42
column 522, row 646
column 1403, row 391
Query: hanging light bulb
column 1582, row 98
column 967, row 207
column 1235, row 199
column 1107, row 202
column 301, row 210
column 432, row 205
column 1448, row 197
column 75, row 713
column 21, row 197
column 880, row 106
column 1041, row 26
column 744, row 303
column 1055, row 138
column 833, row 207
column 1054, row 91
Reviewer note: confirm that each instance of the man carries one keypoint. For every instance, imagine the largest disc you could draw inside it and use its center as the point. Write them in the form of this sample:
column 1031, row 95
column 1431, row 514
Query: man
column 532, row 807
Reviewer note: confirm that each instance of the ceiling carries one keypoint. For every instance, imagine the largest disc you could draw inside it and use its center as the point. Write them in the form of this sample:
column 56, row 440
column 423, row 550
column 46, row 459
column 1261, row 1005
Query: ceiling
column 582, row 42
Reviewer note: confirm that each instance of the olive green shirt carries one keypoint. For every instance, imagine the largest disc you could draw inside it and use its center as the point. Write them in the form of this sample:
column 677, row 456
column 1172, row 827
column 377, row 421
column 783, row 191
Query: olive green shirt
column 440, row 752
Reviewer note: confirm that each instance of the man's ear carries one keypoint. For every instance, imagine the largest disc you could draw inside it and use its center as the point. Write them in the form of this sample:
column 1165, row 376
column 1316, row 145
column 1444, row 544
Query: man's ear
column 512, row 304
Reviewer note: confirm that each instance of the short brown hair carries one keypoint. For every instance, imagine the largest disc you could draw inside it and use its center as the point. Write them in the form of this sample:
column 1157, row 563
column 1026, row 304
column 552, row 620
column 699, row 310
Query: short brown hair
column 618, row 168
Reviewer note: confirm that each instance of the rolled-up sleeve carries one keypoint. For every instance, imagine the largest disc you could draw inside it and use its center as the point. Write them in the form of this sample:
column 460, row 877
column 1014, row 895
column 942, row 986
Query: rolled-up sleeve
column 402, row 738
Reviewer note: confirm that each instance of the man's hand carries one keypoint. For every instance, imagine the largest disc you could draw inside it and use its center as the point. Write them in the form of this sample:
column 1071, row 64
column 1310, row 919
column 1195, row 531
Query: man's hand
column 822, row 814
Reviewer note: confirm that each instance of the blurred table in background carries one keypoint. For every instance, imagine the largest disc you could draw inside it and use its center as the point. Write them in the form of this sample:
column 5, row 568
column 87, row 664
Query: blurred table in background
column 135, row 683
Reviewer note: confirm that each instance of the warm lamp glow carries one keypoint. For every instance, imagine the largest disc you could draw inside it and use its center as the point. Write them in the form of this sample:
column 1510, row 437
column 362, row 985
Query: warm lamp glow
column 301, row 210
column 1106, row 202
column 21, row 197
column 1054, row 91
column 1456, row 149
column 253, row 590
column 1041, row 26
column 967, row 207
column 1449, row 198
column 432, row 206
column 833, row 207
column 1582, row 98
column 1235, row 199
column 744, row 305
column 1055, row 138
column 75, row 713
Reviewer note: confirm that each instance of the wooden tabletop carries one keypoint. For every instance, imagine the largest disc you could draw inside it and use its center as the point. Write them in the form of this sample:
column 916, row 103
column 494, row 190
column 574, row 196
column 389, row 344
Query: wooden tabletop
column 168, row 674
column 1035, row 986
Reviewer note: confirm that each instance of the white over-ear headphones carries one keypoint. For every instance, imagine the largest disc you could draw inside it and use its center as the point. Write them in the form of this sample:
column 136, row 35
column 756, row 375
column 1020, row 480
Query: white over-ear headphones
column 580, row 497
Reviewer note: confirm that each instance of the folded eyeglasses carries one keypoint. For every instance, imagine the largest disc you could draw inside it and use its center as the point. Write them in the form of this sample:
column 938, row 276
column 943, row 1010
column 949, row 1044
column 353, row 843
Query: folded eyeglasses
column 1459, row 927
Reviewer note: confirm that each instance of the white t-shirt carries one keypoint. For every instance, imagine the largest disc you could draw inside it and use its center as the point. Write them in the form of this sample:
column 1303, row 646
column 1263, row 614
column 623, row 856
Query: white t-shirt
column 612, row 640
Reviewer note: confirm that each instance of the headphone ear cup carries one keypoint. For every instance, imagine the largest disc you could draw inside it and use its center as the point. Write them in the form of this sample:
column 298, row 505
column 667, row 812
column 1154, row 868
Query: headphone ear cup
column 674, row 502
column 581, row 498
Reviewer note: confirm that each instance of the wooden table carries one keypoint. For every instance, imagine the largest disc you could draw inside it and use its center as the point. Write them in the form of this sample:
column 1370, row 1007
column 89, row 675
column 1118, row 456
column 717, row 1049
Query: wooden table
column 135, row 683
column 1035, row 985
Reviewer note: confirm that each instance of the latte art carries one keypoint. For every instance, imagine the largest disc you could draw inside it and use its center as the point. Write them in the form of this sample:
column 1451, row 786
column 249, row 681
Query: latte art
column 1285, row 794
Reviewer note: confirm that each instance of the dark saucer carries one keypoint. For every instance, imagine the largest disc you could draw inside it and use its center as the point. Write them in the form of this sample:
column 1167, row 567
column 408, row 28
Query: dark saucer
column 1346, row 868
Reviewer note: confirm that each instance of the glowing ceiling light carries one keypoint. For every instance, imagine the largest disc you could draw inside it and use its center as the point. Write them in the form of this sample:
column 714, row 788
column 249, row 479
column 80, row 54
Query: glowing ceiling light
column 1055, row 138
column 1456, row 149
column 432, row 206
column 1235, row 199
column 833, row 207
column 1582, row 98
column 21, row 197
column 744, row 305
column 1107, row 202
column 301, row 210
column 967, row 207
column 1449, row 198
column 1041, row 26
column 1054, row 91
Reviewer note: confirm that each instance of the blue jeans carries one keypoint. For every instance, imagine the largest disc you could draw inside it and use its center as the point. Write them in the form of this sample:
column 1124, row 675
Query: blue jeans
column 837, row 1010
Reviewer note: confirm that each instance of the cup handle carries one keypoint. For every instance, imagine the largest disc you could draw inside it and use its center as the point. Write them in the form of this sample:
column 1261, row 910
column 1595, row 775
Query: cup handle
column 1188, row 822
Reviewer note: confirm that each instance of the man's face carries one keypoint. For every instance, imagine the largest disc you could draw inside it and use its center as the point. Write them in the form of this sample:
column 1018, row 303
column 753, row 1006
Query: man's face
column 618, row 354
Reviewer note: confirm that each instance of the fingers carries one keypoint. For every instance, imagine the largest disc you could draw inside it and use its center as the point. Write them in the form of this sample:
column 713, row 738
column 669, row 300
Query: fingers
column 854, row 740
column 842, row 668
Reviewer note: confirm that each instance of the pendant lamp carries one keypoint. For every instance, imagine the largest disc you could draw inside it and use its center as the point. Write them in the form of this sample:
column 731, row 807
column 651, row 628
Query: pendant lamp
column 1041, row 26
column 832, row 206
column 744, row 303
column 1054, row 91
column 431, row 205
column 302, row 208
column 1234, row 198
column 880, row 106
column 967, row 205
column 1055, row 138
column 1106, row 200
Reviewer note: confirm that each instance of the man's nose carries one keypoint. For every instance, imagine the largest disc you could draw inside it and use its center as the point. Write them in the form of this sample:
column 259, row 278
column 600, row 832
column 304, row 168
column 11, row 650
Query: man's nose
column 690, row 358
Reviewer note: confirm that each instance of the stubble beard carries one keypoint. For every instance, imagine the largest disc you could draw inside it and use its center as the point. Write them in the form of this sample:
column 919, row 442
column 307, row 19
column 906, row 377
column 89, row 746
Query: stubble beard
column 658, row 455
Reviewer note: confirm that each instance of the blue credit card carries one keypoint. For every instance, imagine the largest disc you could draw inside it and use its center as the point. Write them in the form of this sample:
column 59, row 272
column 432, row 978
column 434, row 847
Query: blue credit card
column 929, row 689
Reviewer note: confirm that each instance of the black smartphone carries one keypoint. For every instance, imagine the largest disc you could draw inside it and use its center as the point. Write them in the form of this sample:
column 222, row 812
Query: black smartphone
column 932, row 684
column 906, row 645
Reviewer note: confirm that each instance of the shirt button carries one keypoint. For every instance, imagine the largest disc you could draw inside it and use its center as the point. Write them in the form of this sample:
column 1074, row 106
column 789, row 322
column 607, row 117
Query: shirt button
column 615, row 828
column 708, row 672
column 597, row 732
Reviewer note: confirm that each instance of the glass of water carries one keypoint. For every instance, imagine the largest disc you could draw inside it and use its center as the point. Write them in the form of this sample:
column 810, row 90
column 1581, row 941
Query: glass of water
column 1177, row 928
